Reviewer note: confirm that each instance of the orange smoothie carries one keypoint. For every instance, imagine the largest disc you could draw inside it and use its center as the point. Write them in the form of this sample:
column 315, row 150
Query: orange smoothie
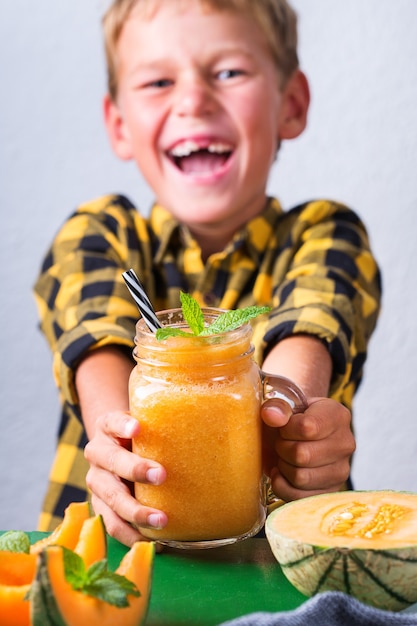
column 198, row 404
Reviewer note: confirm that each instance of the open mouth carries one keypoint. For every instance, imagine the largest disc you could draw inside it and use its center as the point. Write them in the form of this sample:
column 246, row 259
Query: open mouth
column 194, row 158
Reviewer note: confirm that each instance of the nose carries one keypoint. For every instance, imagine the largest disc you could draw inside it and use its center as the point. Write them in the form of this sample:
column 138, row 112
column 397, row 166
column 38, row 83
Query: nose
column 195, row 97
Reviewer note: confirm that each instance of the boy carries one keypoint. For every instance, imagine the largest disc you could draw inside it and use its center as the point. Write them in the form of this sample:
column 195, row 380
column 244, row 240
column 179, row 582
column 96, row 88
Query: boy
column 201, row 94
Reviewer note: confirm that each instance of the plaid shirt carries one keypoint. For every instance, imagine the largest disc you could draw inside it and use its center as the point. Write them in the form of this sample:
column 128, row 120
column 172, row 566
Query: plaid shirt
column 312, row 264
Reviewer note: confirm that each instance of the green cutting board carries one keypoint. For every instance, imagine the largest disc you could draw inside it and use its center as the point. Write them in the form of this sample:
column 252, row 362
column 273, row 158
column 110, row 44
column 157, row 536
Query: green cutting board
column 208, row 587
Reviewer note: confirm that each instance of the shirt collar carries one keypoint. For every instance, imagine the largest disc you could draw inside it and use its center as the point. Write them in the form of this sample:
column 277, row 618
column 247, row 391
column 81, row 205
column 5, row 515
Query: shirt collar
column 165, row 227
column 254, row 235
column 257, row 233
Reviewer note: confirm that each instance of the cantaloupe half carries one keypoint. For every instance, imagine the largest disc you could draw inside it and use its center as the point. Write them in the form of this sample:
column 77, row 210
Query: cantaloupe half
column 57, row 603
column 363, row 543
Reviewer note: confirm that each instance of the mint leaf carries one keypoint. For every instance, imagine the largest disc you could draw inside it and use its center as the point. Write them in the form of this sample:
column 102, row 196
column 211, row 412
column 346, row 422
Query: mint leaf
column 192, row 313
column 109, row 586
column 15, row 541
column 97, row 570
column 234, row 319
column 74, row 569
column 98, row 581
column 167, row 331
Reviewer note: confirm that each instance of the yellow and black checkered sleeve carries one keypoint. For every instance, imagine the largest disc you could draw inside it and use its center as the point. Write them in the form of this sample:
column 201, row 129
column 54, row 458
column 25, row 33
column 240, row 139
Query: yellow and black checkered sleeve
column 82, row 300
column 330, row 287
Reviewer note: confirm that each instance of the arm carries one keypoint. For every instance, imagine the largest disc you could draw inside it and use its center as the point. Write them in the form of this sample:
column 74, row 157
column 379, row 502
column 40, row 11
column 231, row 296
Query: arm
column 102, row 380
column 102, row 383
column 88, row 318
column 303, row 359
column 326, row 297
column 326, row 284
column 310, row 452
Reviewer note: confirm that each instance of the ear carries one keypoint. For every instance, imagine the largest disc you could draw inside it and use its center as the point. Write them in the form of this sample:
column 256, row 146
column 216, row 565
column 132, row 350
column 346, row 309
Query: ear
column 295, row 102
column 116, row 129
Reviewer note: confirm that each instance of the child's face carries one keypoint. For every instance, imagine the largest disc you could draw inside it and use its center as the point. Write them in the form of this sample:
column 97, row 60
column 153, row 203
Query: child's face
column 200, row 110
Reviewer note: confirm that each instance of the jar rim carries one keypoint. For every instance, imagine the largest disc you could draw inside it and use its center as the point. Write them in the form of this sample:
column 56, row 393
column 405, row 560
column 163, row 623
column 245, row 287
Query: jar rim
column 175, row 318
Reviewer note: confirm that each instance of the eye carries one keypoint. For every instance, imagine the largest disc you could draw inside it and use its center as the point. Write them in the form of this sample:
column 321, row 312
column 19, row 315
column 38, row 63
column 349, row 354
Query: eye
column 159, row 83
column 229, row 73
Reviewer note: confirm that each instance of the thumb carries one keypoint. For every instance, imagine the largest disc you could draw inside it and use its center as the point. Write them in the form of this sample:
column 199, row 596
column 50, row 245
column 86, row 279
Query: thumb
column 276, row 412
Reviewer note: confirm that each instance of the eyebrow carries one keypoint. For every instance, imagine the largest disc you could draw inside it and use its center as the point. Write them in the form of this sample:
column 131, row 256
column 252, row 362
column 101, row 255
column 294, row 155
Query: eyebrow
column 213, row 56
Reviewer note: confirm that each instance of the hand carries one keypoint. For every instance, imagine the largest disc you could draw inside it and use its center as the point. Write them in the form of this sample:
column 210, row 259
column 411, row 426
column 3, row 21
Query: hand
column 307, row 453
column 113, row 469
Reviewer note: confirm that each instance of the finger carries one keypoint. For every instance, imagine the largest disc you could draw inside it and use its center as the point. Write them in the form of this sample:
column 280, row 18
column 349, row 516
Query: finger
column 115, row 526
column 321, row 420
column 316, row 453
column 118, row 424
column 104, row 453
column 291, row 483
column 116, row 496
column 275, row 412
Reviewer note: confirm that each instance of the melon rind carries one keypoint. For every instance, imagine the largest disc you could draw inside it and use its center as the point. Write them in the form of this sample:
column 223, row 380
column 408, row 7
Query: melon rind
column 384, row 578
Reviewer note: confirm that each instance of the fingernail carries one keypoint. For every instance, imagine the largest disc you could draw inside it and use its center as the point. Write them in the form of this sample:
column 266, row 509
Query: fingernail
column 130, row 427
column 153, row 475
column 275, row 410
column 156, row 520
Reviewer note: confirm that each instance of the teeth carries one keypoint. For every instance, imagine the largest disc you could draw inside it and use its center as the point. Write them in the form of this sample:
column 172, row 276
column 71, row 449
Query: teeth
column 218, row 148
column 188, row 147
column 185, row 149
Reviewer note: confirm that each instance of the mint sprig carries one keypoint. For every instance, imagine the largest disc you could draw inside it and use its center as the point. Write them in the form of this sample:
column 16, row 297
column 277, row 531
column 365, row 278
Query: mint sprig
column 98, row 581
column 193, row 315
column 15, row 541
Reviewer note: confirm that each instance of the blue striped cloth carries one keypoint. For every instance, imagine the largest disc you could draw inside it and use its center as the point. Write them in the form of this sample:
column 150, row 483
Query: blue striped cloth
column 331, row 608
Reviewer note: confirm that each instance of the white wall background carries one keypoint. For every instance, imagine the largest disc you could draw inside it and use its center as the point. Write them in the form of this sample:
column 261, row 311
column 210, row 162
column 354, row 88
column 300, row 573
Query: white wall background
column 360, row 148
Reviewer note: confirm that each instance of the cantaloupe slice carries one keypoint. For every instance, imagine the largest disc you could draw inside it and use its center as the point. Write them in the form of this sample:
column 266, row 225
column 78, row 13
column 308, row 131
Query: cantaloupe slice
column 16, row 568
column 17, row 571
column 57, row 603
column 14, row 609
column 92, row 541
column 68, row 531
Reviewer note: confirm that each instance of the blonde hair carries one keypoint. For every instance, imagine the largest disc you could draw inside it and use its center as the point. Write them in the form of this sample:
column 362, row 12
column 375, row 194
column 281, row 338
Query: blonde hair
column 276, row 18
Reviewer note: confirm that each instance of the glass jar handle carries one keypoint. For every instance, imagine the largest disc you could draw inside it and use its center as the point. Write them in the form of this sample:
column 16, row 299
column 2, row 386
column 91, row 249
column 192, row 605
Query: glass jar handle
column 283, row 389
